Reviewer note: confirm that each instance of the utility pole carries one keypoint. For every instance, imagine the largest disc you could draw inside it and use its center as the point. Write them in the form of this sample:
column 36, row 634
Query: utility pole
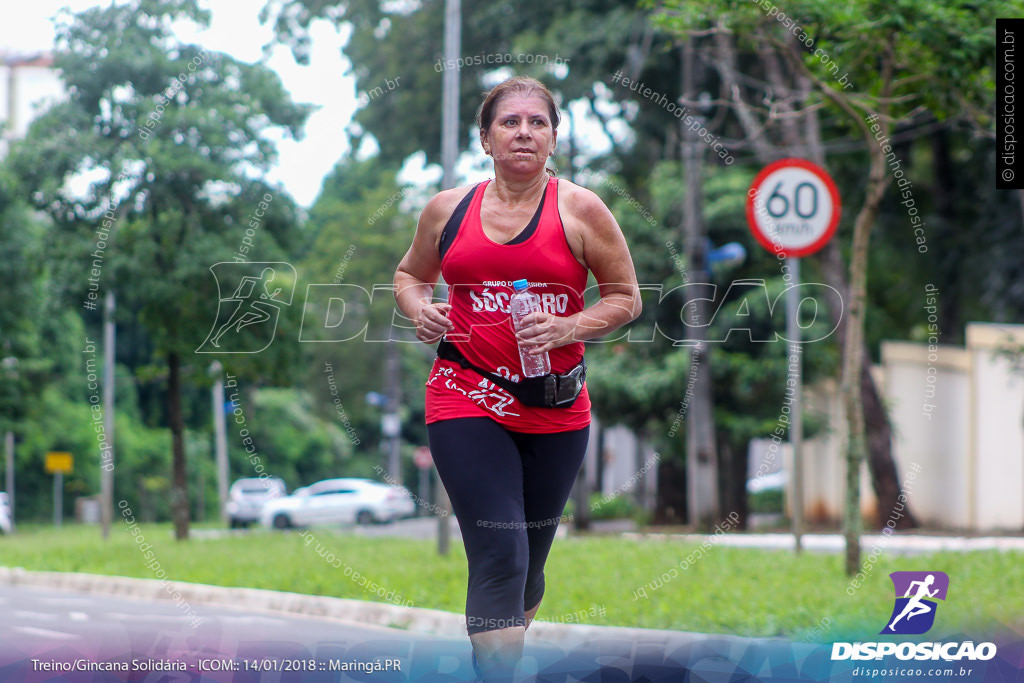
column 391, row 422
column 107, row 463
column 701, row 456
column 449, row 153
column 10, row 366
column 10, row 363
column 9, row 471
column 581, row 491
column 220, row 436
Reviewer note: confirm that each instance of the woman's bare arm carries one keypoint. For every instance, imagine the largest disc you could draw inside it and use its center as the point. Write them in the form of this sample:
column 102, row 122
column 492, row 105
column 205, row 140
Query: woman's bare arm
column 597, row 241
column 420, row 268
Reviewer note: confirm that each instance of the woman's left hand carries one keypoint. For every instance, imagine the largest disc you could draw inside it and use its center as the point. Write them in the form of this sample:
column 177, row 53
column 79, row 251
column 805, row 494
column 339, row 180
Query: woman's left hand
column 542, row 332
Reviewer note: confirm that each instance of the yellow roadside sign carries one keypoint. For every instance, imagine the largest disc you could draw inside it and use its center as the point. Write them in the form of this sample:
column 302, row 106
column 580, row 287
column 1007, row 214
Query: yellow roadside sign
column 59, row 461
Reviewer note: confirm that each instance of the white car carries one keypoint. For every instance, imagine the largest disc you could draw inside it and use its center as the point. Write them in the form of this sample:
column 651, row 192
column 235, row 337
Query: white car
column 776, row 481
column 247, row 497
column 5, row 514
column 339, row 501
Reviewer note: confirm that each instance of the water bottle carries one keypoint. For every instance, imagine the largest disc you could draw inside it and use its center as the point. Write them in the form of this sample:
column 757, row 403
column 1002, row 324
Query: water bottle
column 523, row 303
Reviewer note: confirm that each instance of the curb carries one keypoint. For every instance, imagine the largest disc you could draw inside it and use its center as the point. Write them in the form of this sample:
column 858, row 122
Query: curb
column 414, row 619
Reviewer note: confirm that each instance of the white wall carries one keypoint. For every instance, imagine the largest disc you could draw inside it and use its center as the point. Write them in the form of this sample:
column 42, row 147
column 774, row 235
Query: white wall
column 998, row 428
column 957, row 417
column 927, row 394
column 630, row 466
column 824, row 467
column 964, row 430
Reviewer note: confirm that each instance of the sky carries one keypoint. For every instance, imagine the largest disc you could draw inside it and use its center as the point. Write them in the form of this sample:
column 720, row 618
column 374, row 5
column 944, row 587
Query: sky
column 27, row 27
column 235, row 29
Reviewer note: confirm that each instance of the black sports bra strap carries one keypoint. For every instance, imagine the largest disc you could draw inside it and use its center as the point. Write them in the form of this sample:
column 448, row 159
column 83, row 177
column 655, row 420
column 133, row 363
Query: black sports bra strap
column 531, row 227
column 451, row 228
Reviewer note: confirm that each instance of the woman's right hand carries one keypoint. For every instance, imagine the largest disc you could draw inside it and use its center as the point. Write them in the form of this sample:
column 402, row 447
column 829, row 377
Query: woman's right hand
column 432, row 322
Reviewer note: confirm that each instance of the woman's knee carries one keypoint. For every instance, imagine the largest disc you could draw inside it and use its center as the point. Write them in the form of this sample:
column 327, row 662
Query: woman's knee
column 499, row 554
column 534, row 591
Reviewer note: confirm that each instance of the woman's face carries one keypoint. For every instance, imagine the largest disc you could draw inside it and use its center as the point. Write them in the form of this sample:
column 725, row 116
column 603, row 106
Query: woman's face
column 521, row 136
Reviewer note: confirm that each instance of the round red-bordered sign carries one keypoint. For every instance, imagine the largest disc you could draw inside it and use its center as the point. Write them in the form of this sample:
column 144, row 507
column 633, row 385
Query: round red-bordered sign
column 422, row 458
column 793, row 207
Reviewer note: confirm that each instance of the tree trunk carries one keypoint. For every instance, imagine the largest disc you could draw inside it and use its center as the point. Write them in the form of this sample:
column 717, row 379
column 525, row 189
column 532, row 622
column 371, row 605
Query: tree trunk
column 179, row 478
column 671, row 504
column 701, row 457
column 881, row 465
column 884, row 476
column 853, row 344
column 885, row 481
column 951, row 235
column 733, row 489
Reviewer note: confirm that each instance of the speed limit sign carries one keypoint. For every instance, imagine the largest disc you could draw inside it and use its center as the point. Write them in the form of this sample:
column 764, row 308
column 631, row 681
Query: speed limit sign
column 421, row 457
column 793, row 207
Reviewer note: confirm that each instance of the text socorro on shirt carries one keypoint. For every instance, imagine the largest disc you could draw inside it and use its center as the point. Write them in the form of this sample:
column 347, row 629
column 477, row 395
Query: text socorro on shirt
column 486, row 300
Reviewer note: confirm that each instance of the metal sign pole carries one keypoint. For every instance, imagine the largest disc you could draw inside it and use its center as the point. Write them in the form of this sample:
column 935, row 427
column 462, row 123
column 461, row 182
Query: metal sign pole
column 58, row 498
column 795, row 375
column 793, row 209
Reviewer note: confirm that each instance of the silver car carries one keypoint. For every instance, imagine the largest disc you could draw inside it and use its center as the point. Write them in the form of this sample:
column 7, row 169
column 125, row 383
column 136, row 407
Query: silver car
column 5, row 514
column 339, row 501
column 246, row 498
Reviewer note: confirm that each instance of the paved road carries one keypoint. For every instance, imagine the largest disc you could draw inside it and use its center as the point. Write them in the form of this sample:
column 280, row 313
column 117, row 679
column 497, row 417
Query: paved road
column 157, row 639
column 55, row 636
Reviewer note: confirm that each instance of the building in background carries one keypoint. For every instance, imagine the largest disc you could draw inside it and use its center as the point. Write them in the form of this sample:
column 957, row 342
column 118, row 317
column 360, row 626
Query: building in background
column 28, row 83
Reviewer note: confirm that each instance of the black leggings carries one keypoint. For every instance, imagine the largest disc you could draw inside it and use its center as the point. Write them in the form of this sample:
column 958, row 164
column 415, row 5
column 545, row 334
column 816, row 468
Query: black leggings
column 508, row 491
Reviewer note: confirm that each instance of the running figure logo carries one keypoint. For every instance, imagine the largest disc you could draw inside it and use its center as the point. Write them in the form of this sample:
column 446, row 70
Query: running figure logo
column 257, row 293
column 916, row 593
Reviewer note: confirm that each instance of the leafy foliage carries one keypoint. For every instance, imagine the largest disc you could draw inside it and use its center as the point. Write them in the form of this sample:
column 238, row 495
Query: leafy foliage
column 163, row 137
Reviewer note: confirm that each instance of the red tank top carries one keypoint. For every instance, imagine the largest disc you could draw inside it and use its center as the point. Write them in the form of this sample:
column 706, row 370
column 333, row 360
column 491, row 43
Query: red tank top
column 479, row 273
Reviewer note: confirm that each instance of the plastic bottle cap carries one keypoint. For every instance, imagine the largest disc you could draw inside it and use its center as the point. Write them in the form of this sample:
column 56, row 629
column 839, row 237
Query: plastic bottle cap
column 520, row 285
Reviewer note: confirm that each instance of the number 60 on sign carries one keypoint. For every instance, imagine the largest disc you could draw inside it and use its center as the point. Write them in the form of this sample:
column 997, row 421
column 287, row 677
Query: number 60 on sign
column 793, row 207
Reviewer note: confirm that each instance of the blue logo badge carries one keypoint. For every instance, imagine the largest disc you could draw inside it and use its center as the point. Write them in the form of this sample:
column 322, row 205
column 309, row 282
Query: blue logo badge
column 916, row 595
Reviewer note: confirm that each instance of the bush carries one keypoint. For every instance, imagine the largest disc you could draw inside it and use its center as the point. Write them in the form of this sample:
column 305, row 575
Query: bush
column 612, row 507
column 770, row 500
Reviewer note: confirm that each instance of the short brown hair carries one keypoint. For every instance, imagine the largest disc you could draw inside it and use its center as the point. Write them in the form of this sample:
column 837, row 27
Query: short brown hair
column 522, row 85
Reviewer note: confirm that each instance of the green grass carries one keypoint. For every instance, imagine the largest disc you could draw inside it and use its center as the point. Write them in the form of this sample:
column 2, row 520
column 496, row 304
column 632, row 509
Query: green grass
column 727, row 590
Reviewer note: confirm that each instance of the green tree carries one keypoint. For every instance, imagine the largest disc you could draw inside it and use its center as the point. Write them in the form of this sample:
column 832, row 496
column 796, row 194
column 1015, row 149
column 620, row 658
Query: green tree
column 899, row 60
column 20, row 302
column 360, row 226
column 403, row 45
column 167, row 137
